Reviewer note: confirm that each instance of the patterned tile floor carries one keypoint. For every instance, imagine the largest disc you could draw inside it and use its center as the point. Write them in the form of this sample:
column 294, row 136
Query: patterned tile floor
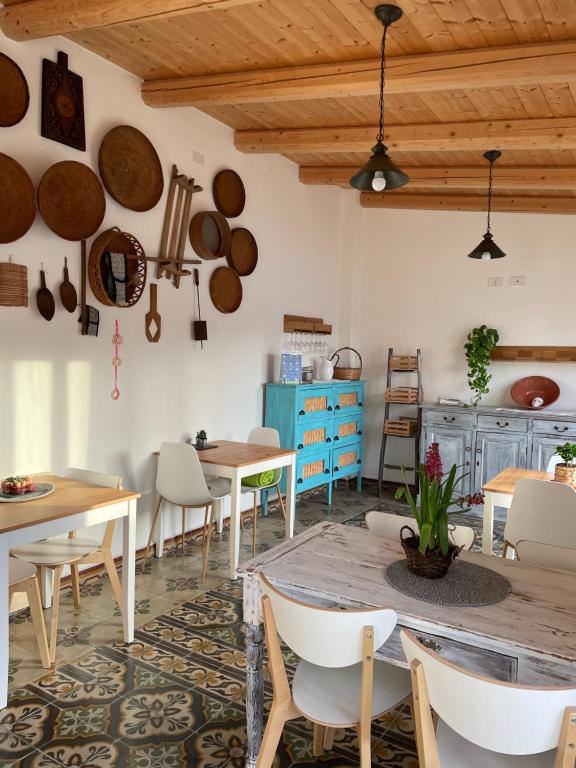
column 175, row 697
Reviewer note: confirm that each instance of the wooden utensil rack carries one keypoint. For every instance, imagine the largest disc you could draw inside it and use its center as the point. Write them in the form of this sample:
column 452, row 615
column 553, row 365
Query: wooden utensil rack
column 300, row 324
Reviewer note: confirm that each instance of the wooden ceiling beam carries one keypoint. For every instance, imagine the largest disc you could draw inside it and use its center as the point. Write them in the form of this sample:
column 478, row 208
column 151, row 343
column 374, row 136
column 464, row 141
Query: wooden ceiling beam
column 505, row 177
column 403, row 200
column 541, row 133
column 42, row 18
column 520, row 65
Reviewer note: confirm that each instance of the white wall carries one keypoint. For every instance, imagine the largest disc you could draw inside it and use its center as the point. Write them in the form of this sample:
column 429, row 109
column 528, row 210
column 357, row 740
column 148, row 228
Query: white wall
column 416, row 288
column 56, row 410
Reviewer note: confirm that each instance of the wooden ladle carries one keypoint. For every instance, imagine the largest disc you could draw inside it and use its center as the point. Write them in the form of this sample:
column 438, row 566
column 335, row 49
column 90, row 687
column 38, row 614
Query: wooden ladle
column 44, row 299
column 153, row 319
column 68, row 295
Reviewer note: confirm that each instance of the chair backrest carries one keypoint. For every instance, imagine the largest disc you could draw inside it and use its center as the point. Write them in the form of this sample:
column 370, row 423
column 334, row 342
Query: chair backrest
column 553, row 461
column 96, row 478
column 180, row 479
column 324, row 636
column 542, row 511
column 546, row 555
column 389, row 525
column 266, row 436
column 503, row 717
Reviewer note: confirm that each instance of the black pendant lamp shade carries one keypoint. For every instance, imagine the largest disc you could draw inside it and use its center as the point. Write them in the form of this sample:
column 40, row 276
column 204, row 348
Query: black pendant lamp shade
column 380, row 172
column 487, row 249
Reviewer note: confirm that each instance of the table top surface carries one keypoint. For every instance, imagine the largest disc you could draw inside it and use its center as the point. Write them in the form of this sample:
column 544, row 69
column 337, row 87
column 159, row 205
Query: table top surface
column 232, row 454
column 346, row 565
column 69, row 498
column 505, row 481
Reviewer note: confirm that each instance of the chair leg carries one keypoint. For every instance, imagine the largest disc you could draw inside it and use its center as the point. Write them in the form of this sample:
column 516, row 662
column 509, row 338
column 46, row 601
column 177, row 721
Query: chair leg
column 183, row 528
column 281, row 500
column 75, row 578
column 272, row 735
column 206, row 536
column 364, row 735
column 254, row 518
column 153, row 527
column 318, row 741
column 55, row 612
column 110, row 566
column 329, row 734
column 33, row 592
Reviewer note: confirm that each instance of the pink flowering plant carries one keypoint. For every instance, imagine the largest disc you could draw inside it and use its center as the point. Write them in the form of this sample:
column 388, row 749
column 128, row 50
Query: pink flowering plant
column 437, row 496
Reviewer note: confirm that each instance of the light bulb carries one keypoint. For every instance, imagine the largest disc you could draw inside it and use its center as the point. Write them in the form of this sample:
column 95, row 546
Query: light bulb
column 379, row 181
column 486, row 256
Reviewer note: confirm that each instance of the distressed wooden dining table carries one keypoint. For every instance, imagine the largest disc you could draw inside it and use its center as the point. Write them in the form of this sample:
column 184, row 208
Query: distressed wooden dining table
column 530, row 637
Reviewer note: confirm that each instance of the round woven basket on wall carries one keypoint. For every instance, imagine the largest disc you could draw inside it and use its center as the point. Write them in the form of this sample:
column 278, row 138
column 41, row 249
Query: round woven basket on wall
column 115, row 241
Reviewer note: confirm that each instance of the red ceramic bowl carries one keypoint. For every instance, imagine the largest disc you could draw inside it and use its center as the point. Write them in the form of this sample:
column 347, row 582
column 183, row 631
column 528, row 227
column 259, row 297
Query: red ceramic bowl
column 525, row 390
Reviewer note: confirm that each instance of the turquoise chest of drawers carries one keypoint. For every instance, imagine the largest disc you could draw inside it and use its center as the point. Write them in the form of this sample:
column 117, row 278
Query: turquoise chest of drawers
column 324, row 423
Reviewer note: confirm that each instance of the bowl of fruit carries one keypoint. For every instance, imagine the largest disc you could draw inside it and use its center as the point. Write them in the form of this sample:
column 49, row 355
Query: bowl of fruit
column 17, row 485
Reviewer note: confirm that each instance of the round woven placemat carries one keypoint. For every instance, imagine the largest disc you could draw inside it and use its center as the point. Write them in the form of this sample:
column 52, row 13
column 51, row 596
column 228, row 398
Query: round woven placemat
column 14, row 94
column 17, row 200
column 465, row 585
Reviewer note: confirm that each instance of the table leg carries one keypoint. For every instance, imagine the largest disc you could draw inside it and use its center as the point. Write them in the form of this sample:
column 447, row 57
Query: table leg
column 235, row 513
column 219, row 515
column 128, row 570
column 46, row 576
column 254, row 691
column 4, row 618
column 488, row 523
column 290, row 497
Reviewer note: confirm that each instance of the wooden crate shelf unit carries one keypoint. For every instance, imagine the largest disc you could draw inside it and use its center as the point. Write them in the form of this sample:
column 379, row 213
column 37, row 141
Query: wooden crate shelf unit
column 403, row 363
column 402, row 427
column 407, row 395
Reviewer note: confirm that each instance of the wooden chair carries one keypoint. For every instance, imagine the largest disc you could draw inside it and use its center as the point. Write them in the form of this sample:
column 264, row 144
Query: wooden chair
column 22, row 578
column 389, row 525
column 541, row 511
column 546, row 555
column 56, row 553
column 181, row 481
column 270, row 437
column 484, row 723
column 337, row 684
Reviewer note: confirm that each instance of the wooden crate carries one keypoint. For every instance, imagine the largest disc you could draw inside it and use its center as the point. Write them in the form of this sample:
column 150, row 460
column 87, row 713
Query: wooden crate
column 403, row 426
column 407, row 395
column 404, row 363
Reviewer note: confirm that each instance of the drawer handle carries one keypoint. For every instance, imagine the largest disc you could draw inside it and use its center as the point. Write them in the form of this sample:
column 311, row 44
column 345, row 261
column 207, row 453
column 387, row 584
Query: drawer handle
column 336, row 439
column 360, row 404
column 468, row 449
column 329, row 408
column 467, row 463
column 336, row 407
column 300, row 446
column 430, row 644
column 451, row 419
column 302, row 413
column 505, row 424
column 299, row 481
column 328, row 439
column 336, row 469
column 560, row 429
column 359, row 432
column 359, row 461
column 326, row 471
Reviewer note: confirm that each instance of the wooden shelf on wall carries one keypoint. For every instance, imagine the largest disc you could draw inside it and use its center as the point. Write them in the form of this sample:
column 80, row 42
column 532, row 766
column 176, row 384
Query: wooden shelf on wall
column 534, row 354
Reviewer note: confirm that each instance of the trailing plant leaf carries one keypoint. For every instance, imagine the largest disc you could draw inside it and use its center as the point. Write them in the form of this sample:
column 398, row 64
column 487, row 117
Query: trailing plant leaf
column 481, row 342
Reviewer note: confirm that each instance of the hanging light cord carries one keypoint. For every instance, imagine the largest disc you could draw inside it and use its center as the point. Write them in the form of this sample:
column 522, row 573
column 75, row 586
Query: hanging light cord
column 489, row 196
column 380, row 137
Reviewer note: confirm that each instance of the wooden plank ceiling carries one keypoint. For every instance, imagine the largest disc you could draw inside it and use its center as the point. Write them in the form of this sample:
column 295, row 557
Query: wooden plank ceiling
column 300, row 78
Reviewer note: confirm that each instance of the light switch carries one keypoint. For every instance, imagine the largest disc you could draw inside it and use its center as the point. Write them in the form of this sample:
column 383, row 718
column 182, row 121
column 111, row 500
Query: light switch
column 518, row 281
column 495, row 282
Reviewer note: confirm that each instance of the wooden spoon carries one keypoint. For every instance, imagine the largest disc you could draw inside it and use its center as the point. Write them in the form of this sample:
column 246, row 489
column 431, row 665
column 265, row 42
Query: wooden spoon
column 68, row 295
column 152, row 317
column 44, row 299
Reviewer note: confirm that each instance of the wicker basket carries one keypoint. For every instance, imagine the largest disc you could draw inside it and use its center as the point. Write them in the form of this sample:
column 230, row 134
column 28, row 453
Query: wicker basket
column 346, row 374
column 122, row 243
column 13, row 285
column 434, row 564
column 564, row 474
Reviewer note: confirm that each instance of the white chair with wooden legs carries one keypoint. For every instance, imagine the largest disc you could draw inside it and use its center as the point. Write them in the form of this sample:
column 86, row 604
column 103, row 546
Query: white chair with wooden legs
column 389, row 525
column 271, row 438
column 181, row 481
column 338, row 683
column 546, row 555
column 541, row 511
column 483, row 723
column 54, row 554
column 22, row 578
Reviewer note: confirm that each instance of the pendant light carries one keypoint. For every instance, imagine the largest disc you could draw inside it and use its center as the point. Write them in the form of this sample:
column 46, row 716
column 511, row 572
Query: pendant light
column 487, row 248
column 380, row 173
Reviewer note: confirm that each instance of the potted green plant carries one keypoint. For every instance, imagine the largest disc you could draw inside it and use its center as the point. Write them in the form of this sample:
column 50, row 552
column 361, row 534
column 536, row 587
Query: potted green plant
column 430, row 552
column 481, row 342
column 201, row 439
column 566, row 472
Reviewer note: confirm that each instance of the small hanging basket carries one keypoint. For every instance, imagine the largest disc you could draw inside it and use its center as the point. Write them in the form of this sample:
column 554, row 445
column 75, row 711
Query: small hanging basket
column 13, row 285
column 434, row 564
column 346, row 374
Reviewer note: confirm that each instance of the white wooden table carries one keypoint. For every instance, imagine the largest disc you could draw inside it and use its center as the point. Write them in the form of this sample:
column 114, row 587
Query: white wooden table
column 72, row 506
column 235, row 461
column 528, row 638
column 498, row 492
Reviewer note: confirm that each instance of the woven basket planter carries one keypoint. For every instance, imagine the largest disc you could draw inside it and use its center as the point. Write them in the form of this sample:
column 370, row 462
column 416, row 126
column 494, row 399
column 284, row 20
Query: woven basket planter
column 564, row 474
column 434, row 564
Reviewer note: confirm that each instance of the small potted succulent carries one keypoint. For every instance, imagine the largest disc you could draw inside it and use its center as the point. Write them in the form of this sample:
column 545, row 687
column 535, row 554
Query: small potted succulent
column 430, row 552
column 201, row 439
column 566, row 472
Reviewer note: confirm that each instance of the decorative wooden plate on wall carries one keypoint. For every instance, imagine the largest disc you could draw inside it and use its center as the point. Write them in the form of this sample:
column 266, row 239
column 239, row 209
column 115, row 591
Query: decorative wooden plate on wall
column 229, row 193
column 17, row 200
column 14, row 93
column 130, row 168
column 225, row 290
column 210, row 235
column 62, row 103
column 243, row 255
column 71, row 200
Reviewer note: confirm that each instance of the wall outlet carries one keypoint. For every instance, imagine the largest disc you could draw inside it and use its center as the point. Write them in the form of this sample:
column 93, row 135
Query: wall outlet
column 495, row 282
column 198, row 157
column 517, row 281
